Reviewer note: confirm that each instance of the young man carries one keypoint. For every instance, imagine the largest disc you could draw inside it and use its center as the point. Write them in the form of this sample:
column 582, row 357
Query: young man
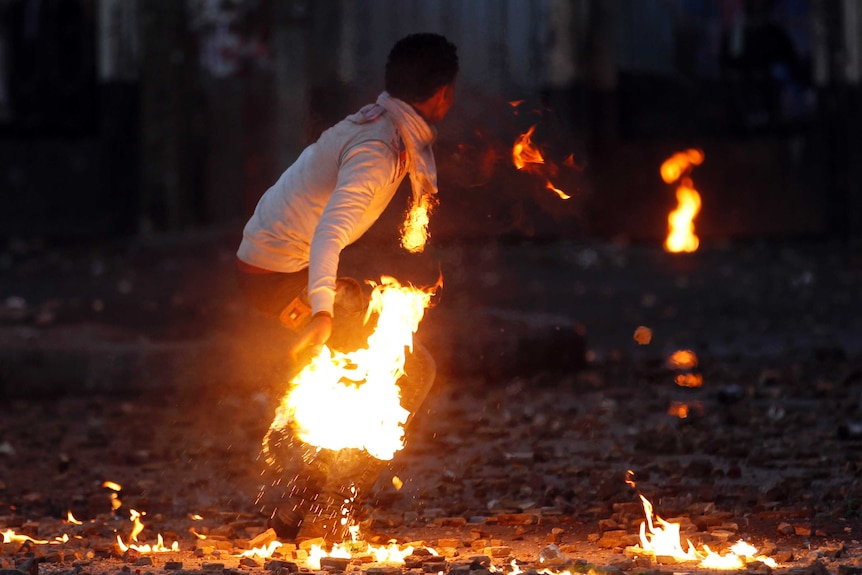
column 287, row 262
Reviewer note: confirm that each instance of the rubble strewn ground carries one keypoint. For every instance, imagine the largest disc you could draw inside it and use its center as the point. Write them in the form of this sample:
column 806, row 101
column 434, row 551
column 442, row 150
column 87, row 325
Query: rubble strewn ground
column 137, row 364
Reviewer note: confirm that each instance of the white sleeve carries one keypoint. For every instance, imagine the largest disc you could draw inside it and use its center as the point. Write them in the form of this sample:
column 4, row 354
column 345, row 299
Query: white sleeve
column 364, row 170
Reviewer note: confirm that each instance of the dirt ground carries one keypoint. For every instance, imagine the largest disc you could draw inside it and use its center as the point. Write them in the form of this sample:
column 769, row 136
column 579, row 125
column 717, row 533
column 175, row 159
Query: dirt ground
column 543, row 459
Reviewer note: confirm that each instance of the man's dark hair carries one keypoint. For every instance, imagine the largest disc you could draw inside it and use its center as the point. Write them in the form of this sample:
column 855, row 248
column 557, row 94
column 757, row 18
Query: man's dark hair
column 418, row 65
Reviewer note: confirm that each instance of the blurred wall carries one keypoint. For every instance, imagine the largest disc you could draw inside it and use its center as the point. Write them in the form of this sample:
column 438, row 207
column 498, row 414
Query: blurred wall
column 163, row 115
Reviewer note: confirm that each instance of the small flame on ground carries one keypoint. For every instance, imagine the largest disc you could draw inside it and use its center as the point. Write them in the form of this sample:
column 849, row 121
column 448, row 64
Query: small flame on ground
column 391, row 554
column 681, row 236
column 662, row 538
column 9, row 536
column 158, row 547
column 263, row 552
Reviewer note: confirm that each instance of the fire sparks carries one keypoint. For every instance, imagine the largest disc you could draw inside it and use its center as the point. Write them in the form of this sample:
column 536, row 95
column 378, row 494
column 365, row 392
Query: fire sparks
column 661, row 538
column 361, row 386
column 527, row 156
column 681, row 236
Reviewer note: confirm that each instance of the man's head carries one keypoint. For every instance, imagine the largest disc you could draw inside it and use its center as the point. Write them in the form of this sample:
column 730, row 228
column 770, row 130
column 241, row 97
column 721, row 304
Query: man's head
column 421, row 69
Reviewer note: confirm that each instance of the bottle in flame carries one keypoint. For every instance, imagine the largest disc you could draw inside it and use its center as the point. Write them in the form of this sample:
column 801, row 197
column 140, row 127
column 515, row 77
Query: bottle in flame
column 344, row 415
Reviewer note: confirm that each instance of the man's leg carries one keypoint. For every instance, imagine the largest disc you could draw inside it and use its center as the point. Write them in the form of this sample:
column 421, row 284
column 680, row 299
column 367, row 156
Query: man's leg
column 352, row 473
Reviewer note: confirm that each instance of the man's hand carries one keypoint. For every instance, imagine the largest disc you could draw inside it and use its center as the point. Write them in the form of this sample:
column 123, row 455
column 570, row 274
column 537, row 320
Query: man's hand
column 313, row 336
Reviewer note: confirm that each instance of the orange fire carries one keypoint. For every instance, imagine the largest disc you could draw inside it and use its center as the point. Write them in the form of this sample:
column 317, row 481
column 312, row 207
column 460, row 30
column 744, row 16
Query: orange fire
column 682, row 359
column 158, row 547
column 527, row 156
column 660, row 538
column 389, row 554
column 262, row 552
column 414, row 230
column 358, row 388
column 688, row 379
column 681, row 236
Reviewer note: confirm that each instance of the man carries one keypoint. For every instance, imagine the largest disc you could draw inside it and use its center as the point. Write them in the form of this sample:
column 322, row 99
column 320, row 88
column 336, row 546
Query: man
column 287, row 262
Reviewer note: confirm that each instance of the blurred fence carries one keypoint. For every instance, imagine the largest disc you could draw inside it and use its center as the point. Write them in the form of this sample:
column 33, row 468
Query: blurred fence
column 140, row 116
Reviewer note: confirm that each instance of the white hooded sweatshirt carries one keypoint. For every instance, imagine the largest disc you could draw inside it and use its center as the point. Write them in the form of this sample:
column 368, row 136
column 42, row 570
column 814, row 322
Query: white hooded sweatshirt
column 336, row 189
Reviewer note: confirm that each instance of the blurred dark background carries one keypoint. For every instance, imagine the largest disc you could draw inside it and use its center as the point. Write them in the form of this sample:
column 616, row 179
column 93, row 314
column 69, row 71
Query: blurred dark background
column 136, row 117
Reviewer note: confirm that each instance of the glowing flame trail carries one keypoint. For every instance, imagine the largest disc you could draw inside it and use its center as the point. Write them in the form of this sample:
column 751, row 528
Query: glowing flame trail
column 526, row 156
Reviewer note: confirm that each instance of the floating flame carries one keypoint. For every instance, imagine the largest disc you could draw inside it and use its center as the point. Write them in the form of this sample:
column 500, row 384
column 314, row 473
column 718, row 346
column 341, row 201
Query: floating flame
column 662, row 538
column 679, row 163
column 115, row 498
column 361, row 386
column 681, row 236
column 526, row 156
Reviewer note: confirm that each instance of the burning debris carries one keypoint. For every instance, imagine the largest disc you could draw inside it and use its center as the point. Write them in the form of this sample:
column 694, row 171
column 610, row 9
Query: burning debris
column 662, row 541
column 528, row 157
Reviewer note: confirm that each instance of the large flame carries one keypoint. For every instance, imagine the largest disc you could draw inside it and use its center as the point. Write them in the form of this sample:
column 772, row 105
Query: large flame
column 681, row 236
column 527, row 156
column 358, row 390
column 661, row 538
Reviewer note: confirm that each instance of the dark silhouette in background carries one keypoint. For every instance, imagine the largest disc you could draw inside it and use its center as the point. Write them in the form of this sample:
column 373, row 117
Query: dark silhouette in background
column 768, row 80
